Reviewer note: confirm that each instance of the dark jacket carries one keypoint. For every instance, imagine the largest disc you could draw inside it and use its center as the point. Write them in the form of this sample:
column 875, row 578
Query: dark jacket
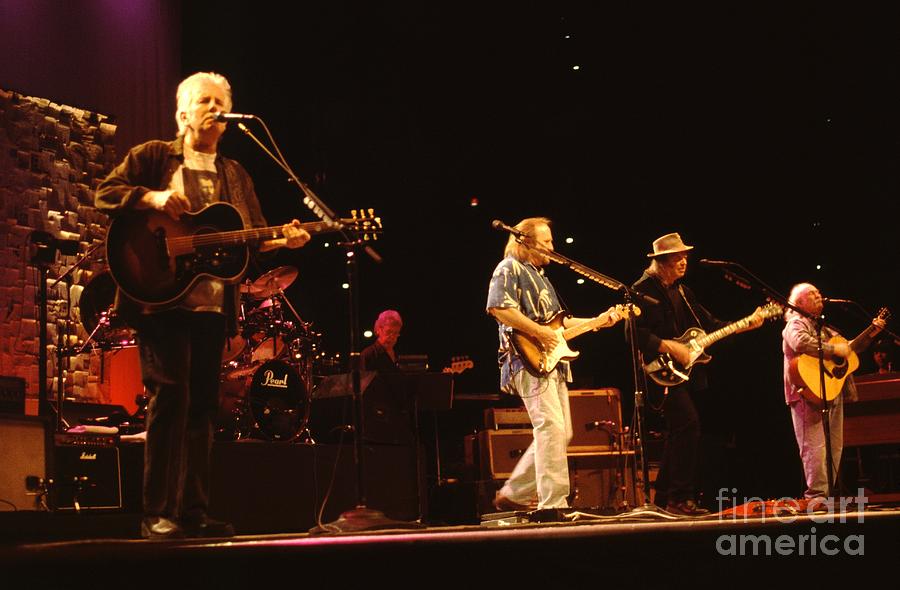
column 660, row 322
column 150, row 166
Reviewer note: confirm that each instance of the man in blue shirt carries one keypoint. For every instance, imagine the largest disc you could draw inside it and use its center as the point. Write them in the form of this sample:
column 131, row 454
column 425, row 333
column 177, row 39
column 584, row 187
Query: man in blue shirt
column 520, row 297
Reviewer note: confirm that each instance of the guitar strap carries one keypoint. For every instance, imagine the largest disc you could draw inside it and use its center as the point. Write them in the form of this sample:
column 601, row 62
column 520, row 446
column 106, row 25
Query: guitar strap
column 688, row 303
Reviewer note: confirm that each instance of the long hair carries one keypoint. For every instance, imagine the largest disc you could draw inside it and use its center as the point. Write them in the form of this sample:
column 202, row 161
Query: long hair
column 527, row 226
column 188, row 88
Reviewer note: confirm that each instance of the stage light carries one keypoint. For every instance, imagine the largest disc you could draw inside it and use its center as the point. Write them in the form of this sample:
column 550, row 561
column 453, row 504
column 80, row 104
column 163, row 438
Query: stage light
column 570, row 240
column 367, row 333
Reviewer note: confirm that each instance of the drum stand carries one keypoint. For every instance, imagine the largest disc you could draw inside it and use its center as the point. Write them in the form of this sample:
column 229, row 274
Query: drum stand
column 304, row 368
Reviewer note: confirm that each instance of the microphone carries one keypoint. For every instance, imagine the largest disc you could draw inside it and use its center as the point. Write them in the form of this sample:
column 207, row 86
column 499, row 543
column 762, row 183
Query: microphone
column 232, row 117
column 831, row 300
column 706, row 262
column 500, row 226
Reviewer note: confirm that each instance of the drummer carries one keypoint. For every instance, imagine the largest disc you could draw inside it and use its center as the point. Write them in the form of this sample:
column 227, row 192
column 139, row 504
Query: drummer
column 380, row 355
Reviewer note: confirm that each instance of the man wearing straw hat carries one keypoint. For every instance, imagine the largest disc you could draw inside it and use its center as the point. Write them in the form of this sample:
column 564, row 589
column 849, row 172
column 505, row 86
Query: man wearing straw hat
column 657, row 329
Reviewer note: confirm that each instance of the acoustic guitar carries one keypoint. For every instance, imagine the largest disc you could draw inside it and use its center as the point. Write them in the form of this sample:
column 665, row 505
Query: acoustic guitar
column 156, row 260
column 804, row 369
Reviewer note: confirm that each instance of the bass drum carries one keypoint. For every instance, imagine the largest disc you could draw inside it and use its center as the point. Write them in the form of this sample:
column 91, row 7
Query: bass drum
column 279, row 400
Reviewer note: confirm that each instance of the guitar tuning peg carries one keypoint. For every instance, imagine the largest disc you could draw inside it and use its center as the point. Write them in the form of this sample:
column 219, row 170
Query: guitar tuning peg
column 353, row 213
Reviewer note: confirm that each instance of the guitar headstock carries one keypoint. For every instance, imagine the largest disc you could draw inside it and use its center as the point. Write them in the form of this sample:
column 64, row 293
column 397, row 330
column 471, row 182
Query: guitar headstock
column 624, row 311
column 884, row 314
column 771, row 310
column 363, row 222
column 459, row 364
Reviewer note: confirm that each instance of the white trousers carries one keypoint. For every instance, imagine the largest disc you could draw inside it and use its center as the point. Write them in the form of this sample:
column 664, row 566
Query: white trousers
column 811, row 441
column 543, row 469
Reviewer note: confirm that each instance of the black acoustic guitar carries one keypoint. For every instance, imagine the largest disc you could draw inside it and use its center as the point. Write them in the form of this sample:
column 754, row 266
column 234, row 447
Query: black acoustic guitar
column 156, row 260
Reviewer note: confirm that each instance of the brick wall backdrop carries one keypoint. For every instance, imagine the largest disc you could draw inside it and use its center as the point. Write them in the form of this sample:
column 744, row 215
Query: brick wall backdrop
column 52, row 157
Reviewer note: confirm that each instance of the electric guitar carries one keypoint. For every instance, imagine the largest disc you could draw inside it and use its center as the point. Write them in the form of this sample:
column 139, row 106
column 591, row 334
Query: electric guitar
column 542, row 362
column 458, row 364
column 804, row 369
column 668, row 372
column 156, row 260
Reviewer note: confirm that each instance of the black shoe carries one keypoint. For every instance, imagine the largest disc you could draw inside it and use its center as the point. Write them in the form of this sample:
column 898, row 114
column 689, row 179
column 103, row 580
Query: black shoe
column 204, row 526
column 158, row 528
column 686, row 508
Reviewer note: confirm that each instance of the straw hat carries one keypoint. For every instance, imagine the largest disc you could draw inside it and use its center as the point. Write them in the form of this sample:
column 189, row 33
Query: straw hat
column 668, row 244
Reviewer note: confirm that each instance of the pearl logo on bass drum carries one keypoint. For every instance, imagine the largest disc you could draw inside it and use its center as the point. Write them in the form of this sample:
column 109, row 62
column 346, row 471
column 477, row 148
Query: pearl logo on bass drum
column 269, row 380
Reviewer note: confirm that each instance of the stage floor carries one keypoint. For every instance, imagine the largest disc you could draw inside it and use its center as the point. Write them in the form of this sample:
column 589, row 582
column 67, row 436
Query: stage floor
column 641, row 548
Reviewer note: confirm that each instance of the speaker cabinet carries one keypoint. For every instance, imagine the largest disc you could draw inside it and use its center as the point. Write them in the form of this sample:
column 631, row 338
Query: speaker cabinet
column 602, row 481
column 87, row 474
column 24, row 445
column 500, row 450
column 596, row 420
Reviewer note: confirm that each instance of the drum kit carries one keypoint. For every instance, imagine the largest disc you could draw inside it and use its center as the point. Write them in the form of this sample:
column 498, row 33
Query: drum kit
column 268, row 368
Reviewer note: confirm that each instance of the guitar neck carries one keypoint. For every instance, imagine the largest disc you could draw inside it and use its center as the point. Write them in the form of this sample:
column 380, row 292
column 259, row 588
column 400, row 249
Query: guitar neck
column 728, row 330
column 255, row 234
column 861, row 341
column 587, row 326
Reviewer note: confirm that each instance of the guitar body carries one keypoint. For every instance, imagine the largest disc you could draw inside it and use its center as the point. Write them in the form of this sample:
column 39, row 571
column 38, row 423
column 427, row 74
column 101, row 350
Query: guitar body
column 668, row 372
column 154, row 272
column 804, row 374
column 539, row 362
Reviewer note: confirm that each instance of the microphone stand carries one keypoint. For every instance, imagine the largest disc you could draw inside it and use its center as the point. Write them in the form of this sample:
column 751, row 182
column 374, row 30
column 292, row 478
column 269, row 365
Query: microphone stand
column 820, row 328
column 62, row 340
column 362, row 517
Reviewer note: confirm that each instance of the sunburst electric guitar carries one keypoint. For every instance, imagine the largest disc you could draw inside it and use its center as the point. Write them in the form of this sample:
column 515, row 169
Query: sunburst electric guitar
column 804, row 369
column 668, row 372
column 542, row 362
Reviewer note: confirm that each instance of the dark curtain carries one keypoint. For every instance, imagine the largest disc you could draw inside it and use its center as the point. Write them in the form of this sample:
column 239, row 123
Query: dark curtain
column 107, row 56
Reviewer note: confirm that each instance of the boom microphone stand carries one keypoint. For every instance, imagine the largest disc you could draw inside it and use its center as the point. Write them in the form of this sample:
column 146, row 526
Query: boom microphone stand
column 362, row 517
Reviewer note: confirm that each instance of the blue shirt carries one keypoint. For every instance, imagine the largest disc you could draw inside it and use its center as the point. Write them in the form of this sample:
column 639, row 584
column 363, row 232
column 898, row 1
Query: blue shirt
column 522, row 286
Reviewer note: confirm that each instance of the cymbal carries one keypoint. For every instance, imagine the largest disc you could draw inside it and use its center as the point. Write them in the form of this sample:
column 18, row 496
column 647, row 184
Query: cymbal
column 272, row 282
column 96, row 305
column 96, row 299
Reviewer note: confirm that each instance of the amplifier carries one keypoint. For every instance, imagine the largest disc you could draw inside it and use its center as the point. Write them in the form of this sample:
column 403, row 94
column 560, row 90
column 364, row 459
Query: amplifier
column 596, row 420
column 496, row 418
column 86, row 473
column 25, row 443
column 499, row 451
column 12, row 395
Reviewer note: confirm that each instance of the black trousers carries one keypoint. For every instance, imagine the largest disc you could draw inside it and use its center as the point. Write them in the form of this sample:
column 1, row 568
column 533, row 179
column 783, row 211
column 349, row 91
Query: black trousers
column 181, row 355
column 678, row 471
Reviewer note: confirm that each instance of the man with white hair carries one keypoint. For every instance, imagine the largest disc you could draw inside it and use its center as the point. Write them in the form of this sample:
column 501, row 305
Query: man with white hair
column 799, row 338
column 380, row 355
column 181, row 344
